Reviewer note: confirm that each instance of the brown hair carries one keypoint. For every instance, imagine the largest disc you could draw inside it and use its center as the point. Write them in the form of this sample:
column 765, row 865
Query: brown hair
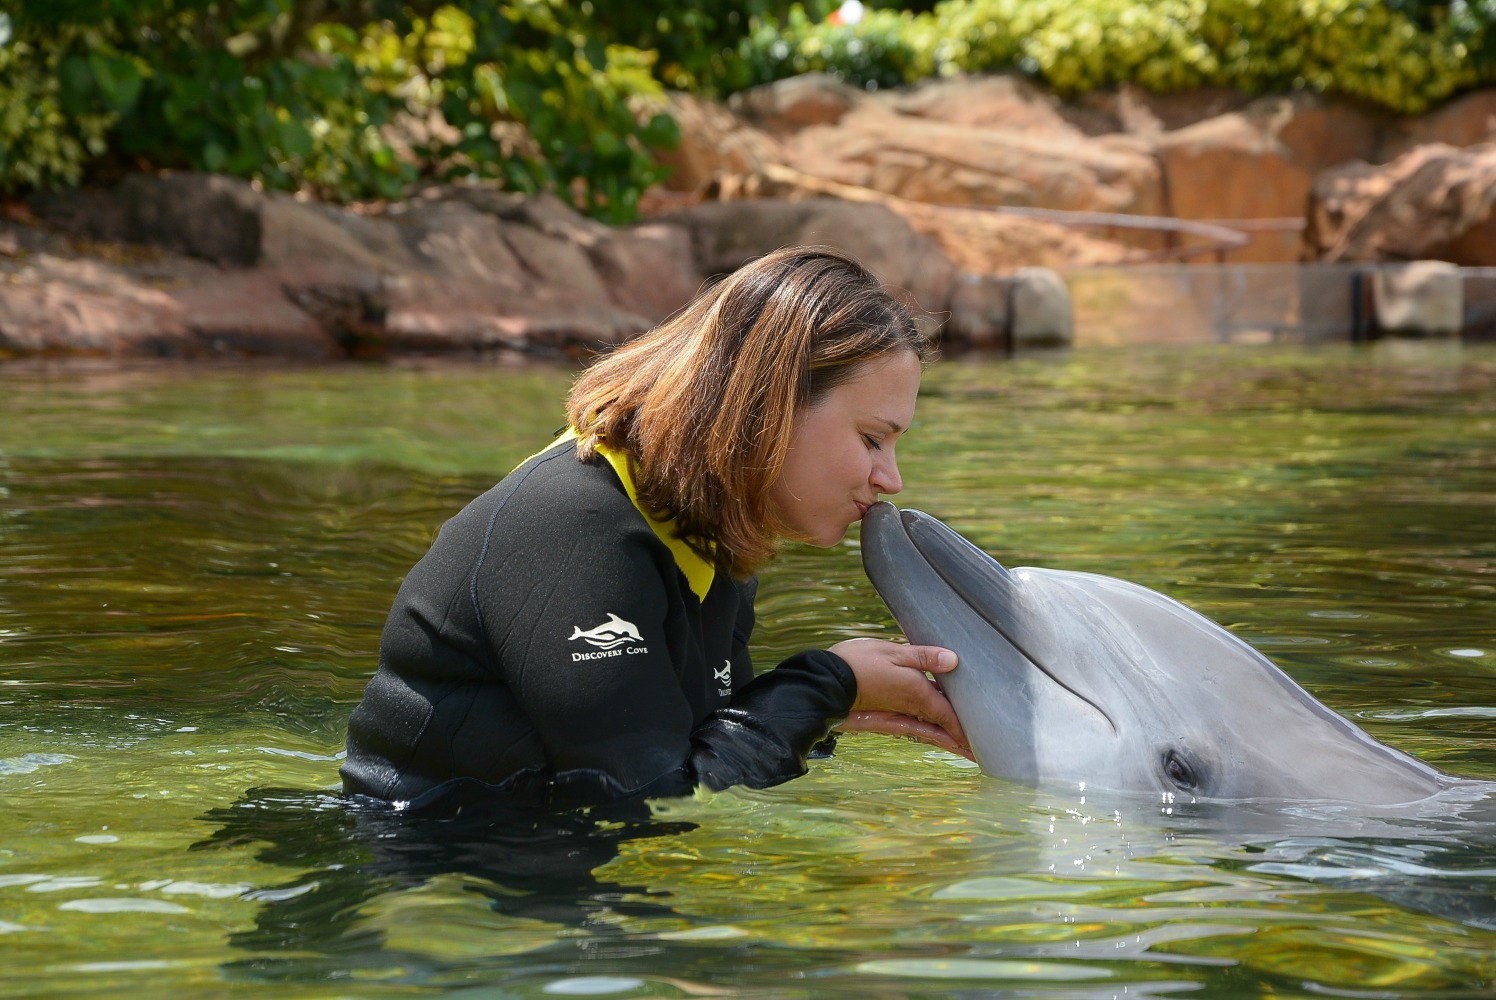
column 705, row 403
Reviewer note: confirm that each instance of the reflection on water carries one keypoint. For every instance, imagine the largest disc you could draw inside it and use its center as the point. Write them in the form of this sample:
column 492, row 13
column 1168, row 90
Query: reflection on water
column 197, row 561
column 529, row 865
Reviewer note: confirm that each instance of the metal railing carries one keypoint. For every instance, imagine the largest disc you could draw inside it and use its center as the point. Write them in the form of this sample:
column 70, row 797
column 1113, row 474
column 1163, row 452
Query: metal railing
column 1216, row 237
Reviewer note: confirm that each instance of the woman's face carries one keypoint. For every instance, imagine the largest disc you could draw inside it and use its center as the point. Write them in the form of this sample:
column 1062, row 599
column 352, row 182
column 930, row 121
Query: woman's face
column 842, row 453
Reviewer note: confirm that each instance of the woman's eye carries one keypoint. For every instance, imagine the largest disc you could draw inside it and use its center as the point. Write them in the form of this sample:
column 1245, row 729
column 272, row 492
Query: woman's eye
column 872, row 442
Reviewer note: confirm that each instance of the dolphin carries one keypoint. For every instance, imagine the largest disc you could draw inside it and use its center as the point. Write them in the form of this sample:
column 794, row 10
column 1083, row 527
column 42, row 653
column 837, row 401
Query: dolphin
column 1079, row 680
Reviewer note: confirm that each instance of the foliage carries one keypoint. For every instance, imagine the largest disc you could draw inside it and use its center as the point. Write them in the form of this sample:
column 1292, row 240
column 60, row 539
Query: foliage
column 886, row 48
column 1403, row 59
column 700, row 43
column 363, row 104
column 696, row 40
column 40, row 144
column 515, row 93
column 1404, row 55
column 366, row 98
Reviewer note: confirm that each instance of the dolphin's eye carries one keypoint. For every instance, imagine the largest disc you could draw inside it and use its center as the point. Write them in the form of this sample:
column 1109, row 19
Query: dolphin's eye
column 1179, row 771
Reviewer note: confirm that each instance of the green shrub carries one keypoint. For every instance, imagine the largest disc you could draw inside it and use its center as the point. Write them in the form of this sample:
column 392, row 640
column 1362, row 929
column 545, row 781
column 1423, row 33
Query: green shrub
column 261, row 89
column 1078, row 47
column 1361, row 48
column 368, row 98
column 42, row 146
column 1404, row 55
column 696, row 41
column 886, row 48
column 578, row 108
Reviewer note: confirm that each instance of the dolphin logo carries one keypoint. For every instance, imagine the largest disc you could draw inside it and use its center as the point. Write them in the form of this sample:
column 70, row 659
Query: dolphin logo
column 609, row 635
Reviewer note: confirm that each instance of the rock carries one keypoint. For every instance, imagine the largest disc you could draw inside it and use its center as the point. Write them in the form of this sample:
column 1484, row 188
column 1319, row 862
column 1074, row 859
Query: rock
column 726, row 235
column 997, row 139
column 983, row 140
column 1435, row 202
column 649, row 269
column 483, row 281
column 452, row 270
column 980, row 311
column 998, row 100
column 355, row 317
column 455, row 242
column 645, row 269
column 314, row 243
column 922, row 159
column 207, row 216
column 1029, row 309
column 1259, row 162
column 1042, row 314
column 1143, row 112
column 455, row 269
column 427, row 316
column 1468, row 120
column 159, row 307
column 796, row 102
column 555, row 265
column 981, row 239
column 921, row 183
column 544, row 213
column 247, row 313
column 1421, row 298
column 714, row 142
column 1480, row 305
column 55, row 306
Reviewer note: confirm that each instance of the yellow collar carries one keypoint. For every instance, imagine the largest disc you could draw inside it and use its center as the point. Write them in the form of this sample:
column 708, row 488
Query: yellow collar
column 698, row 572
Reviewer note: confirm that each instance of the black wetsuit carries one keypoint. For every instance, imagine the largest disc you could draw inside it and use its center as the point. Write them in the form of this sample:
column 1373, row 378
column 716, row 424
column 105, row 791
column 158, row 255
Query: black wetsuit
column 550, row 645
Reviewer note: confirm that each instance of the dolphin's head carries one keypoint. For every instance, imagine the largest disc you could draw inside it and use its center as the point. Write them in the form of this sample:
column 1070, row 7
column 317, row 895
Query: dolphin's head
column 1092, row 681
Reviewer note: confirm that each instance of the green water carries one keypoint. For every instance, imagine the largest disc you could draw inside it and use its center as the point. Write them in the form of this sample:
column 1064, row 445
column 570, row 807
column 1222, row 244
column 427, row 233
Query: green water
column 195, row 564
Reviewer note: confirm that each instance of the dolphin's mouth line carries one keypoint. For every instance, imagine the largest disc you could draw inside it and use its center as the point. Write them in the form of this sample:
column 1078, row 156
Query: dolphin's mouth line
column 963, row 591
column 1059, row 683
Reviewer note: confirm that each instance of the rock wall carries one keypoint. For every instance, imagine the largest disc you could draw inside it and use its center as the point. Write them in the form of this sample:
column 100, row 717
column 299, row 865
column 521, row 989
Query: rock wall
column 197, row 265
column 950, row 191
column 965, row 146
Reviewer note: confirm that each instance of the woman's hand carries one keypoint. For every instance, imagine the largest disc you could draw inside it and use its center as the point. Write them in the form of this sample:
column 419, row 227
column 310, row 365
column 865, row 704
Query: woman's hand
column 894, row 696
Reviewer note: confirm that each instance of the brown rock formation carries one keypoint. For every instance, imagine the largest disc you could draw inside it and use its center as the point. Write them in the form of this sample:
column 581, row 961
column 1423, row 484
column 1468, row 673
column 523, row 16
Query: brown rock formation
column 997, row 140
column 922, row 159
column 139, row 272
column 927, row 184
column 1435, row 202
column 1259, row 162
column 714, row 143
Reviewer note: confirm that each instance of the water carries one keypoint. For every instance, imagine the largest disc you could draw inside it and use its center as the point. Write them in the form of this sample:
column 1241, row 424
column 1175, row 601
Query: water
column 195, row 563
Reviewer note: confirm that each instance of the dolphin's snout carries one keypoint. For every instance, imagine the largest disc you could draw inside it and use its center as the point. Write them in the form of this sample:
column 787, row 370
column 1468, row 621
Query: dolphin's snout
column 953, row 555
column 895, row 540
column 880, row 516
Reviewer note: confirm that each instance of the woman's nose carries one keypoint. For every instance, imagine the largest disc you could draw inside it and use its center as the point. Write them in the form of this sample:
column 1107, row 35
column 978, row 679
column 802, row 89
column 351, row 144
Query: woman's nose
column 885, row 478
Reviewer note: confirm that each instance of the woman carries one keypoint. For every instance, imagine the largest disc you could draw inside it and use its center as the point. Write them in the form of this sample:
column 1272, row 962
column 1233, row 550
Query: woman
column 579, row 633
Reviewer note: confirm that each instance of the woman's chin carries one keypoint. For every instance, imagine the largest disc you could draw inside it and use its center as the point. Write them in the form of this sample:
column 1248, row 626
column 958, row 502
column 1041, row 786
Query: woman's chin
column 830, row 540
column 824, row 540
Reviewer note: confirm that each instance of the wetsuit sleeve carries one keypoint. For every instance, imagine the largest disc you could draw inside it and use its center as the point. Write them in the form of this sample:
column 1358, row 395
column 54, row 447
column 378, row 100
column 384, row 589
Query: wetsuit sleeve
column 766, row 734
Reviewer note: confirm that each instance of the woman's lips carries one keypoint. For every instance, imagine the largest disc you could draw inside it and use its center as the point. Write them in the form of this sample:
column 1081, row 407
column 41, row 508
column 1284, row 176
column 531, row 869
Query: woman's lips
column 861, row 509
